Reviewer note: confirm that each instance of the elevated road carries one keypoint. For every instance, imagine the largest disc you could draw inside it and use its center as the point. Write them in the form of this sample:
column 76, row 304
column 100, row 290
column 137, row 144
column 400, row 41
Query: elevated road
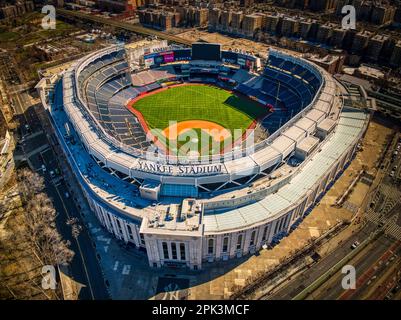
column 122, row 25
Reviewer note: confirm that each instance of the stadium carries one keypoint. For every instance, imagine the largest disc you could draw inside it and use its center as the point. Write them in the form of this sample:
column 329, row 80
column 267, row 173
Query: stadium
column 200, row 154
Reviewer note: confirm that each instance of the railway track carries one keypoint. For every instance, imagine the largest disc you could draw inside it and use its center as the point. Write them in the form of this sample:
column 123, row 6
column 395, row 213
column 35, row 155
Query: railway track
column 122, row 25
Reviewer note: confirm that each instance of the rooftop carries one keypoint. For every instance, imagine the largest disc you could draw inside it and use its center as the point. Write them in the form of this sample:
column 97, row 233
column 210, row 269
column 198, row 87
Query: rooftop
column 308, row 144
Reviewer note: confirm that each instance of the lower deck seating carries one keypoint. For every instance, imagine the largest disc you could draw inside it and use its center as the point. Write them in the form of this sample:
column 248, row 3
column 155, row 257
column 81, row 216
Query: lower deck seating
column 107, row 94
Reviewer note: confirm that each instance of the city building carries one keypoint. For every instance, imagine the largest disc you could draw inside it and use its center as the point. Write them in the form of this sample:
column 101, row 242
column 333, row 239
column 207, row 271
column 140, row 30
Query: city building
column 226, row 18
column 214, row 18
column 289, row 27
column 375, row 47
column 16, row 10
column 253, row 23
column 337, row 37
column 322, row 5
column 383, row 14
column 118, row 6
column 305, row 27
column 395, row 59
column 272, row 23
column 246, row 3
column 236, row 22
column 331, row 63
column 360, row 42
column 324, row 33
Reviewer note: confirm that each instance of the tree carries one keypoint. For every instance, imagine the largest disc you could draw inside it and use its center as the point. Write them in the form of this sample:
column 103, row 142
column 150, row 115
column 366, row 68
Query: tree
column 40, row 226
column 30, row 183
column 42, row 232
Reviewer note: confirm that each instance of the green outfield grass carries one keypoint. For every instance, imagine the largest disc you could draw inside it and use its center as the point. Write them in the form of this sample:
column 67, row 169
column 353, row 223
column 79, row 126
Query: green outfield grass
column 197, row 102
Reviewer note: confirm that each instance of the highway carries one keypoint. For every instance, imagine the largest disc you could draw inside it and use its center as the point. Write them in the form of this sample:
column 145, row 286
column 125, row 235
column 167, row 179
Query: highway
column 122, row 25
column 369, row 264
column 307, row 278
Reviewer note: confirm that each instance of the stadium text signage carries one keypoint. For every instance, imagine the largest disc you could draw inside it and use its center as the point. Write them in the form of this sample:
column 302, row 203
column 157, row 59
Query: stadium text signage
column 179, row 169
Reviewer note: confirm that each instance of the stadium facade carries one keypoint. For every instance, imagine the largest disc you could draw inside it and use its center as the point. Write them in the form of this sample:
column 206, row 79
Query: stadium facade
column 188, row 211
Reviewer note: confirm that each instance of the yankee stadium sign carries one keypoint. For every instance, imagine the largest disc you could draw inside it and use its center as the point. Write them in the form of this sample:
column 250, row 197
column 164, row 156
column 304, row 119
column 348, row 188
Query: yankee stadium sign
column 180, row 170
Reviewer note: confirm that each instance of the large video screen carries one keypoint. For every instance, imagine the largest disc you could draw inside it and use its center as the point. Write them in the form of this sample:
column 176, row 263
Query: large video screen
column 182, row 55
column 206, row 51
column 229, row 57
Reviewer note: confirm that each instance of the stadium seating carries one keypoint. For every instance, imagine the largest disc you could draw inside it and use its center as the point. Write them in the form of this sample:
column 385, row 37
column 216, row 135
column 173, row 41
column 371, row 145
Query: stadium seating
column 108, row 89
column 287, row 85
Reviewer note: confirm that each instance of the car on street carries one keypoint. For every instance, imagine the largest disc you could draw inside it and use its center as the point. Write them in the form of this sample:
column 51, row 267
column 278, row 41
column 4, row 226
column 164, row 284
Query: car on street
column 355, row 244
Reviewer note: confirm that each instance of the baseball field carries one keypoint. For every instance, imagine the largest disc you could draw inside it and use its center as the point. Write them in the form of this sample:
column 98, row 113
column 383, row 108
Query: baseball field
column 199, row 107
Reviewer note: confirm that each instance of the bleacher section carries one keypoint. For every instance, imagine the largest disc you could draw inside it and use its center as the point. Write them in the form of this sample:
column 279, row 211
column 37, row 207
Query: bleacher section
column 107, row 89
column 285, row 85
column 153, row 75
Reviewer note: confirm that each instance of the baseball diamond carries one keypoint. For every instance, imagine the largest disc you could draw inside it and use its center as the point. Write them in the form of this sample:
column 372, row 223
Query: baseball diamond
column 199, row 102
column 212, row 112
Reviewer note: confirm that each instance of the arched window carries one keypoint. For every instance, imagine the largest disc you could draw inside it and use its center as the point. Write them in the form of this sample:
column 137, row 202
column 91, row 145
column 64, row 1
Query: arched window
column 210, row 247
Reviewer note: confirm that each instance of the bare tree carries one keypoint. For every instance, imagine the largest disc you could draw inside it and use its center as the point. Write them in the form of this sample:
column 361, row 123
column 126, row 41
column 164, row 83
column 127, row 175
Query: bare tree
column 41, row 231
column 40, row 226
column 30, row 183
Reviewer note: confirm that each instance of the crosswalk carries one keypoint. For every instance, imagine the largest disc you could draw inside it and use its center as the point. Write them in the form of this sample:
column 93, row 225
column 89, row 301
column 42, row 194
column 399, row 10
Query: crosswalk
column 386, row 198
column 392, row 228
column 373, row 216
